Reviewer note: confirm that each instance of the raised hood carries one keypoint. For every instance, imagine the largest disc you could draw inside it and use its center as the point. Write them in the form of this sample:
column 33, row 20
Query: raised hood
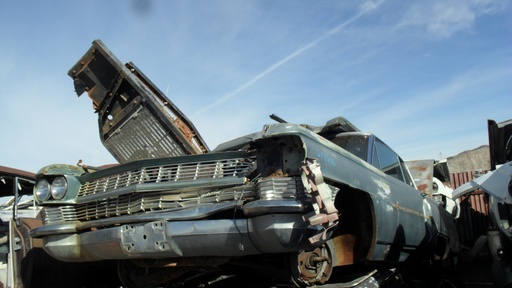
column 136, row 120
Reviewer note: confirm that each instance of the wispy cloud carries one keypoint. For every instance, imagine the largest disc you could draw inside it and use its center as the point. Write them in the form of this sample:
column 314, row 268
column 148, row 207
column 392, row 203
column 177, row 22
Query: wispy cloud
column 464, row 87
column 447, row 113
column 442, row 19
column 364, row 9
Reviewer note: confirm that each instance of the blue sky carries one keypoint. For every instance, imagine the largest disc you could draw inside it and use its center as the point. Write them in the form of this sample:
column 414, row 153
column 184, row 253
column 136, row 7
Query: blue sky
column 424, row 76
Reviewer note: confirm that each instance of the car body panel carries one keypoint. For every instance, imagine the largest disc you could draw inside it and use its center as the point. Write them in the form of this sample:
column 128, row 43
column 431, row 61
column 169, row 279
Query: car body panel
column 497, row 184
column 494, row 183
column 136, row 120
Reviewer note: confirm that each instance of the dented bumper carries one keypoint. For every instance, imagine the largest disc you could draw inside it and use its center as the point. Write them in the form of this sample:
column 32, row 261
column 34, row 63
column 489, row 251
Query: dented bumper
column 274, row 233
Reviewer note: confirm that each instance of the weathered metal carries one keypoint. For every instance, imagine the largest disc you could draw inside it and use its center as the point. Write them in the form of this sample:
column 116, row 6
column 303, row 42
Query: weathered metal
column 315, row 197
column 422, row 172
column 137, row 121
column 312, row 267
column 430, row 177
column 495, row 203
column 18, row 216
column 401, row 221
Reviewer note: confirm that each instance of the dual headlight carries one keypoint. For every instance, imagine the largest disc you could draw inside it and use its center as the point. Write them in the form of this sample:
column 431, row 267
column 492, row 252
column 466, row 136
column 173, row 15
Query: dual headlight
column 57, row 189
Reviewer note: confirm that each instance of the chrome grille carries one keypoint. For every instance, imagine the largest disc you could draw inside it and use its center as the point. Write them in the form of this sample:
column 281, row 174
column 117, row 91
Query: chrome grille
column 281, row 188
column 56, row 214
column 134, row 203
column 237, row 167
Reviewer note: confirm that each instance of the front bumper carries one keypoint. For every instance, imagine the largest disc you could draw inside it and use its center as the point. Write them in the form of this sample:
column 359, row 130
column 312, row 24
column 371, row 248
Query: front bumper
column 274, row 233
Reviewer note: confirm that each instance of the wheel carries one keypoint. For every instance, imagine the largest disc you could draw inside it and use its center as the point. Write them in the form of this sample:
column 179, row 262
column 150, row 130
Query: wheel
column 309, row 268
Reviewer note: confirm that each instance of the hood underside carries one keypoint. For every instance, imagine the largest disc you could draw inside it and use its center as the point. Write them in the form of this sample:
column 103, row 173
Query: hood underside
column 136, row 120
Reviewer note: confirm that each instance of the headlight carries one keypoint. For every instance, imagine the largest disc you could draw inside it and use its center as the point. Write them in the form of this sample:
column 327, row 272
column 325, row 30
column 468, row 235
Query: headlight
column 59, row 187
column 42, row 190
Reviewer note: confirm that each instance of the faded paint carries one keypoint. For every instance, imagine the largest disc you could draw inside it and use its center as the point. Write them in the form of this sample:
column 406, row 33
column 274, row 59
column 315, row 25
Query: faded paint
column 422, row 172
column 383, row 188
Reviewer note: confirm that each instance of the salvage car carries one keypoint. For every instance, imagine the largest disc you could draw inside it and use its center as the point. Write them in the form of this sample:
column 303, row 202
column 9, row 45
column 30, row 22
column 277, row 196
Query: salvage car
column 291, row 201
column 497, row 185
column 18, row 215
column 23, row 262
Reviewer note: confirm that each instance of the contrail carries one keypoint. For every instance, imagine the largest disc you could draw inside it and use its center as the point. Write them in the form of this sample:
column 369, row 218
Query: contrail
column 365, row 8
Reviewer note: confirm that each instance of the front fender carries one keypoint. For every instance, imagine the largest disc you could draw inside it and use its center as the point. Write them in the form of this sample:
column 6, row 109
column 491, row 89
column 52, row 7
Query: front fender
column 60, row 169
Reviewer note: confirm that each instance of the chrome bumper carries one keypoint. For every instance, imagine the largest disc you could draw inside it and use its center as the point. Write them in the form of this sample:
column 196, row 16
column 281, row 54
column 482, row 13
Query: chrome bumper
column 275, row 233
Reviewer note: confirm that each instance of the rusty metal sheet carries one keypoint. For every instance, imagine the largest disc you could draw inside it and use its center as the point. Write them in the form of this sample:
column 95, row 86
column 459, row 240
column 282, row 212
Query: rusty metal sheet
column 136, row 120
column 16, row 172
column 422, row 171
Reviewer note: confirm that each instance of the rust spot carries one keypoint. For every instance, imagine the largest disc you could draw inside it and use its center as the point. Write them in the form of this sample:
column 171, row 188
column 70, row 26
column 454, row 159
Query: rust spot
column 421, row 168
column 344, row 245
column 422, row 187
column 187, row 132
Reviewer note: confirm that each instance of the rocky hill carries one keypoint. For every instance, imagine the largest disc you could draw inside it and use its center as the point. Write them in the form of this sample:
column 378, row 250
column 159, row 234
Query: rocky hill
column 477, row 159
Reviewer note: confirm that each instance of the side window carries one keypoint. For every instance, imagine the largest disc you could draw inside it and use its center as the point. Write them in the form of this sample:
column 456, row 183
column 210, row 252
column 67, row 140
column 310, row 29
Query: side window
column 375, row 158
column 387, row 161
column 355, row 144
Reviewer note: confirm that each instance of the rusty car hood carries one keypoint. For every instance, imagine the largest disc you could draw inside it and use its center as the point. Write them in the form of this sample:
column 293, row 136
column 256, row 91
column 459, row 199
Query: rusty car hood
column 136, row 120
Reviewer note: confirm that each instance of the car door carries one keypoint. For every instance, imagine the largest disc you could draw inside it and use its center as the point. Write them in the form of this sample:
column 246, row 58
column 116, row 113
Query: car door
column 401, row 215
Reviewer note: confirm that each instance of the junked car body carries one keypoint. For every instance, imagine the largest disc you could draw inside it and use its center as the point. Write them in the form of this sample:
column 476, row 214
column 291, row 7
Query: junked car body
column 497, row 185
column 291, row 200
column 18, row 216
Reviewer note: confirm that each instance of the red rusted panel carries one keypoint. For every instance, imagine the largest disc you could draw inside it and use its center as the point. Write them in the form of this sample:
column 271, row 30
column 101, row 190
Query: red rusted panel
column 422, row 172
column 474, row 216
column 16, row 172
